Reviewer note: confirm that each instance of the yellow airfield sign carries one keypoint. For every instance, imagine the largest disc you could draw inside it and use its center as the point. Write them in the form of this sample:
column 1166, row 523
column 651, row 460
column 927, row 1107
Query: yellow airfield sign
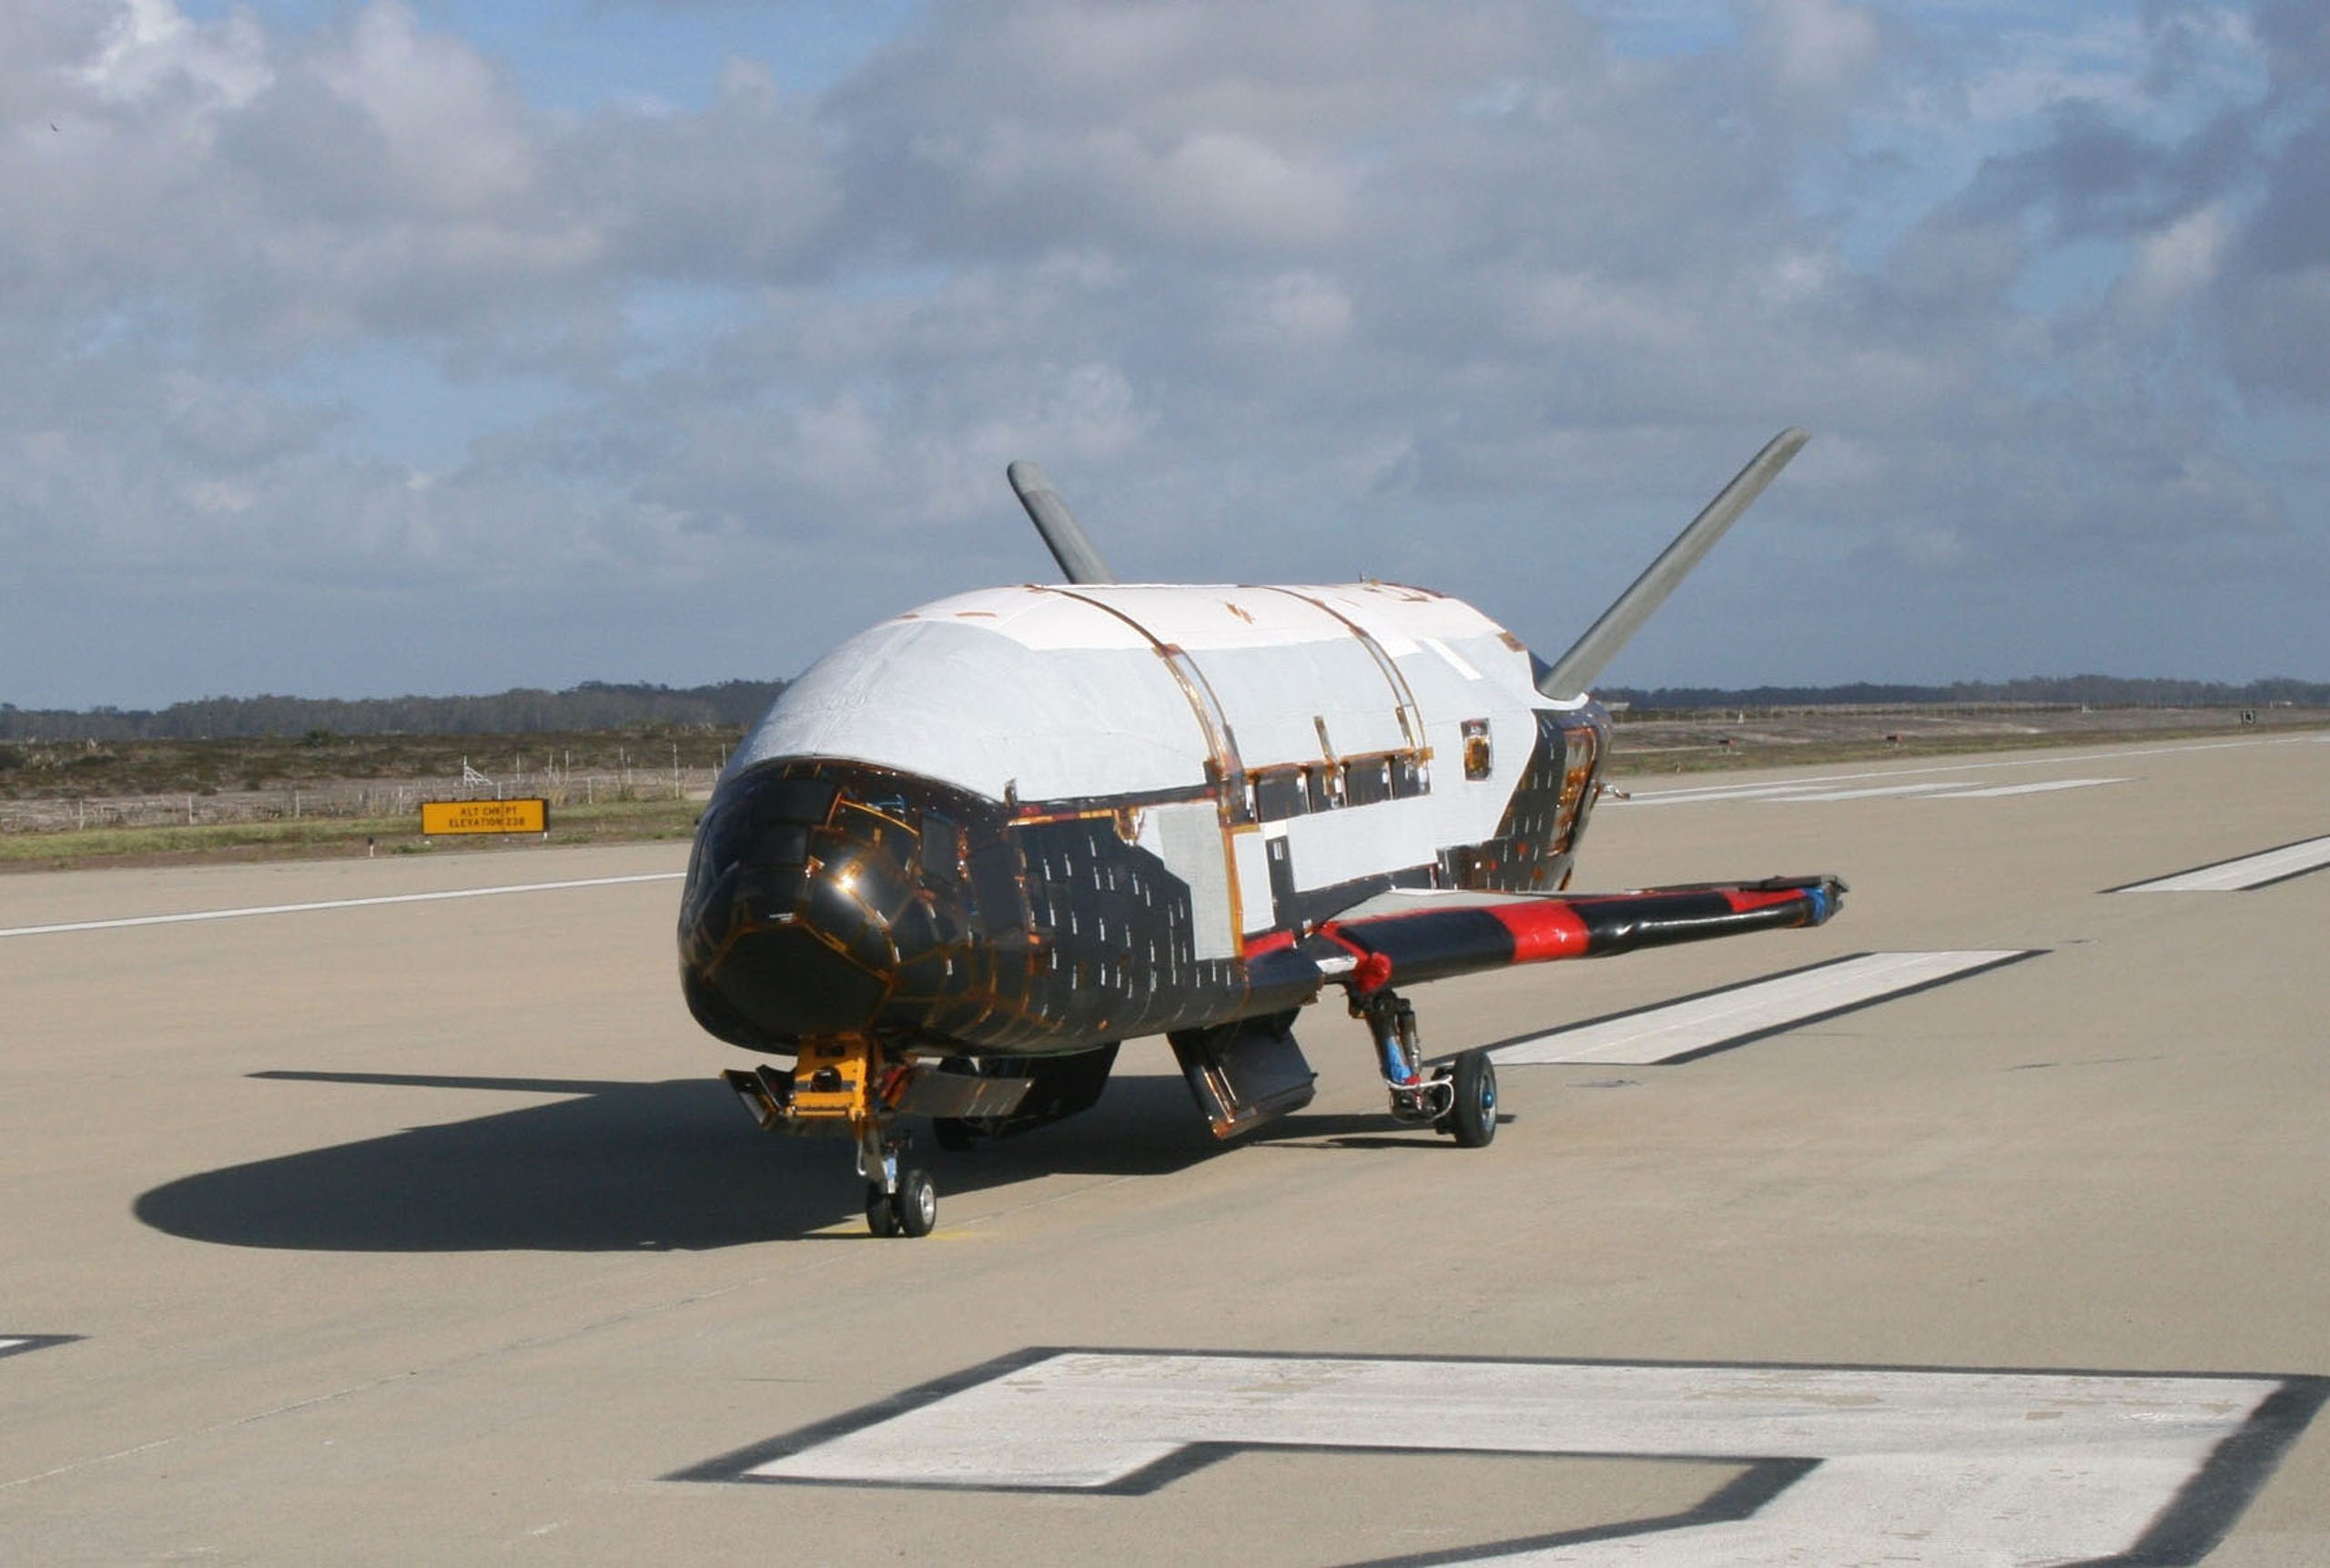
column 484, row 816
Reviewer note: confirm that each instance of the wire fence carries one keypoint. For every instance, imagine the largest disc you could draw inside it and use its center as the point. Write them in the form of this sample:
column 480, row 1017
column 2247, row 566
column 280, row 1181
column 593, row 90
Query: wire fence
column 346, row 798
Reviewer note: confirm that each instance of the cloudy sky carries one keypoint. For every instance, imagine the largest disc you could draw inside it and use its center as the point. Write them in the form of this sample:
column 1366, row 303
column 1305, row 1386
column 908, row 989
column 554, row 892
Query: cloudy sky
column 351, row 349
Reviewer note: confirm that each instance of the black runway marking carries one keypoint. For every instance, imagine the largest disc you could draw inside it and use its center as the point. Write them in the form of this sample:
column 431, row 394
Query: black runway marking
column 19, row 1344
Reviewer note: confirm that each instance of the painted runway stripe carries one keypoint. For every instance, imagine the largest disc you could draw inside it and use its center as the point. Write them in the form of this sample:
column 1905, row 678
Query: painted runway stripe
column 193, row 915
column 1872, row 791
column 1735, row 1015
column 2239, row 876
column 1717, row 792
column 1997, row 790
column 1955, row 1464
column 1693, row 795
column 1935, row 789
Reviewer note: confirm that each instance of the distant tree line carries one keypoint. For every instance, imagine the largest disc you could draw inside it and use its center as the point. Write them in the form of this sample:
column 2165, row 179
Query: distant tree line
column 2095, row 691
column 593, row 706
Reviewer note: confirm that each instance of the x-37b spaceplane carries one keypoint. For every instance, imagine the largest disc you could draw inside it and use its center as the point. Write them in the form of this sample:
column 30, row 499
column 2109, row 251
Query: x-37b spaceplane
column 977, row 846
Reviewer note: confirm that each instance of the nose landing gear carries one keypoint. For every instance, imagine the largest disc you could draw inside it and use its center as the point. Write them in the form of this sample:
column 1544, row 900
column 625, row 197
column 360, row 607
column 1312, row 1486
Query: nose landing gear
column 850, row 1087
column 1457, row 1097
column 854, row 1086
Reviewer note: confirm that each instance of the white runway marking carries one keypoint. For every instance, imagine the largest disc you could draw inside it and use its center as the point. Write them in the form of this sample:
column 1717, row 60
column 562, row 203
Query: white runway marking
column 1736, row 1014
column 1811, row 790
column 1871, row 791
column 1997, row 790
column 2249, row 871
column 1844, row 1463
column 334, row 904
column 1696, row 794
column 1717, row 792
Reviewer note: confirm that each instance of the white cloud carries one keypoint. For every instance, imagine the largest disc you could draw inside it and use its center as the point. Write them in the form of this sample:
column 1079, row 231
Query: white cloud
column 450, row 136
column 1573, row 309
column 150, row 45
column 1303, row 310
column 2173, row 262
column 1406, row 281
column 1239, row 188
column 1818, row 46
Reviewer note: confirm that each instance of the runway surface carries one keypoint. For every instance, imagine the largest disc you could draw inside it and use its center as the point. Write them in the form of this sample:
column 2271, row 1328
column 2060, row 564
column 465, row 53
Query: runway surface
column 347, row 1221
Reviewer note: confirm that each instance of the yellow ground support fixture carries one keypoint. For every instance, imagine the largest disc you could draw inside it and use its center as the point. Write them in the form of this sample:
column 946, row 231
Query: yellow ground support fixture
column 831, row 1082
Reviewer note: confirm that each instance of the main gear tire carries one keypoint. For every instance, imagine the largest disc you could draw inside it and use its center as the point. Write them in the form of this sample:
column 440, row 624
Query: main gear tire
column 1472, row 1118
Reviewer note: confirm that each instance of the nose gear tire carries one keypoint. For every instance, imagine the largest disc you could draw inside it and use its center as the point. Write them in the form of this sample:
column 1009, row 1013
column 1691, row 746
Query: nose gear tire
column 916, row 1205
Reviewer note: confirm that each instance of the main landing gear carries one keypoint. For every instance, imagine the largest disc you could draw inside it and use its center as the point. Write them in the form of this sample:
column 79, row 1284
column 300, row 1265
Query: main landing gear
column 1457, row 1097
column 854, row 1087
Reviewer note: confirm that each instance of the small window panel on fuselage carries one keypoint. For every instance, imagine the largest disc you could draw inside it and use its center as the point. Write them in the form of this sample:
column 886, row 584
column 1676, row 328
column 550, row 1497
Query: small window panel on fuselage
column 1367, row 780
column 1280, row 793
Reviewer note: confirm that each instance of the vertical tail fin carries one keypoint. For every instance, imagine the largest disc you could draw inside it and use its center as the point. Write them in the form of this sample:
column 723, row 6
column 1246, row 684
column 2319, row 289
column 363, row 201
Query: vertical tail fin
column 1591, row 654
column 1077, row 560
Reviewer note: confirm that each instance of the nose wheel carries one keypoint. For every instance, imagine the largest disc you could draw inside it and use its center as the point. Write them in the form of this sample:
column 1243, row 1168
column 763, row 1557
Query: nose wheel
column 899, row 1202
column 851, row 1087
column 911, row 1210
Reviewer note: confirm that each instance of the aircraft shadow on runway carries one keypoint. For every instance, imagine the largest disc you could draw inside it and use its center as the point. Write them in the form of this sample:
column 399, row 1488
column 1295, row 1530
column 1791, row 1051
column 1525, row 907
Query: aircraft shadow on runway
column 626, row 1166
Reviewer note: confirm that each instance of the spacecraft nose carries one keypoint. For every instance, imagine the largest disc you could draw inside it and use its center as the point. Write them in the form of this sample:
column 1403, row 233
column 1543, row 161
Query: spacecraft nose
column 781, row 933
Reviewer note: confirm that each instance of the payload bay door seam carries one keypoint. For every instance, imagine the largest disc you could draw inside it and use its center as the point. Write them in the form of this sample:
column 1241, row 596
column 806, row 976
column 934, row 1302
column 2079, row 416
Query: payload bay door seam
column 1227, row 909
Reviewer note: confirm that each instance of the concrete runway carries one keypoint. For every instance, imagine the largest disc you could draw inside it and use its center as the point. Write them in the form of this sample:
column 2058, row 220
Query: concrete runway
column 422, row 1229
